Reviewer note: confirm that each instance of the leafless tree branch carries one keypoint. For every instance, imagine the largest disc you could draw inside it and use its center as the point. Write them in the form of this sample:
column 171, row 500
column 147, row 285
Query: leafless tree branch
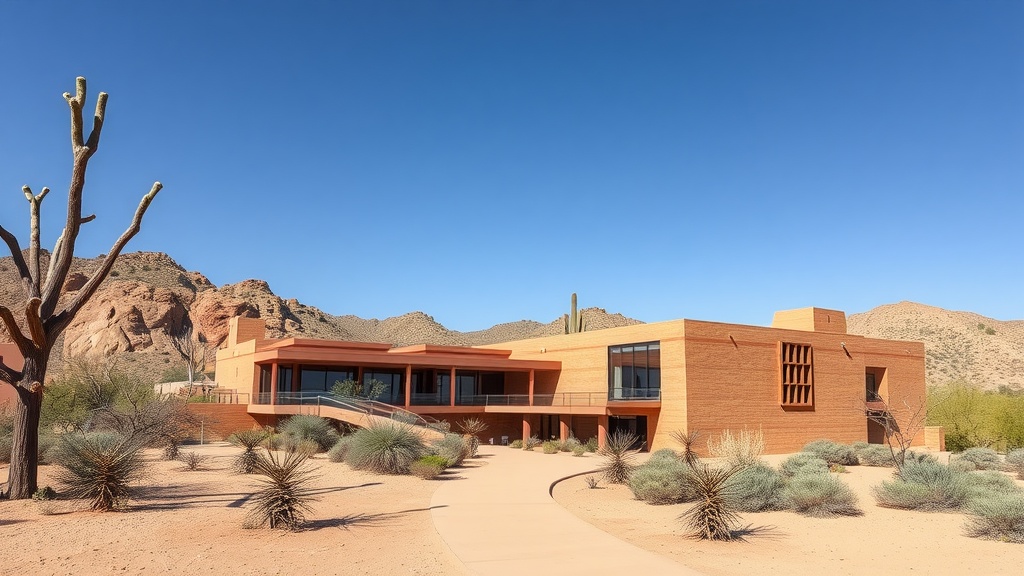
column 14, row 331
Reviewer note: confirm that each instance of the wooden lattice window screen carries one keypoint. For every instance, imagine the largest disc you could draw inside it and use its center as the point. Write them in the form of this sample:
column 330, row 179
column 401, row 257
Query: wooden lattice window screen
column 797, row 379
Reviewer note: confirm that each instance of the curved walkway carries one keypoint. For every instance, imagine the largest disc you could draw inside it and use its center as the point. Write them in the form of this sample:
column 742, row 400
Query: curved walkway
column 502, row 520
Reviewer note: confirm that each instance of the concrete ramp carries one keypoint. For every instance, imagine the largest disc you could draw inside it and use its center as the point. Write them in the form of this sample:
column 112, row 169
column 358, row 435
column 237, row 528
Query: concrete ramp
column 354, row 411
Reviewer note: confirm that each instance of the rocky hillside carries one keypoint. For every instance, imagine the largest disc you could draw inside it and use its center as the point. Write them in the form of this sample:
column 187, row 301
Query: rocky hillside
column 958, row 345
column 149, row 297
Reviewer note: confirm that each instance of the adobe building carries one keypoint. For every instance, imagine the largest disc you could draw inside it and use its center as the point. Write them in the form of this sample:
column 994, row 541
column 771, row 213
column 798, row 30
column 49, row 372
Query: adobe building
column 802, row 379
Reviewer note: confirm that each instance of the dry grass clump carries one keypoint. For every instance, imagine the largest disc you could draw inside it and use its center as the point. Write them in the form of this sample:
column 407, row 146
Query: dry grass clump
column 100, row 468
column 976, row 459
column 711, row 518
column 926, row 486
column 339, row 451
column 551, row 447
column 832, row 452
column 756, row 488
column 738, row 450
column 874, row 455
column 803, row 463
column 1015, row 462
column 618, row 454
column 454, row 449
column 385, row 448
column 820, row 495
column 193, row 461
column 997, row 517
column 428, row 467
column 285, row 498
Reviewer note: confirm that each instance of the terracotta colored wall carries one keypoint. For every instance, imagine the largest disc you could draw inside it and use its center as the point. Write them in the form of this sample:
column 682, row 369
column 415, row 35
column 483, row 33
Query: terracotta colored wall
column 235, row 368
column 498, row 425
column 220, row 420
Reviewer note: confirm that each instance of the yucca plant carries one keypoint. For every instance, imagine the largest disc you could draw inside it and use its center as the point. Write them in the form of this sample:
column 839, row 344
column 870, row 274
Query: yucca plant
column 472, row 428
column 387, row 448
column 686, row 440
column 284, row 500
column 618, row 453
column 712, row 517
column 245, row 463
column 99, row 468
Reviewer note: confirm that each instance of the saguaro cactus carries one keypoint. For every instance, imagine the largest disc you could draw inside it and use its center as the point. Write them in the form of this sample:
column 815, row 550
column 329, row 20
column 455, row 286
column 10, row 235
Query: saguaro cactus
column 574, row 321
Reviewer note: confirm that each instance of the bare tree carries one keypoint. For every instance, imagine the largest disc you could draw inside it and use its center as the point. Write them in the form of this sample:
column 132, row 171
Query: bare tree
column 47, row 314
column 902, row 420
column 193, row 351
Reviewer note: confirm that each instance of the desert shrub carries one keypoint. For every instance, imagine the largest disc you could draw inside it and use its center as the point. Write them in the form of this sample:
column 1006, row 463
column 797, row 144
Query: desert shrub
column 193, row 461
column 285, row 496
column 832, row 452
column 591, row 482
column 569, row 445
column 6, row 446
column 591, row 444
column 981, row 458
column 962, row 465
column 858, row 446
column 44, row 493
column 738, row 450
column 245, row 463
column 820, row 495
column 551, row 447
column 1015, row 462
column 924, row 486
column 516, row 444
column 100, row 468
column 428, row 467
column 664, row 455
column 305, row 446
column 803, row 463
column 618, row 454
column 988, row 483
column 387, row 448
column 712, row 517
column 661, row 481
column 919, row 457
column 997, row 517
column 875, row 455
column 756, row 488
column 687, row 440
column 531, row 443
column 579, row 450
column 309, row 427
column 339, row 451
column 453, row 448
column 47, row 448
column 472, row 428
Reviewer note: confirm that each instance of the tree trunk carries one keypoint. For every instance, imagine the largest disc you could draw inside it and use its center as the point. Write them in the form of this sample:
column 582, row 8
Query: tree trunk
column 23, row 474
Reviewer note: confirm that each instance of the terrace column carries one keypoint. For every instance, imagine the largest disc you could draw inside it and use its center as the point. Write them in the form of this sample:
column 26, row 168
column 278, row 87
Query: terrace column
column 531, row 386
column 563, row 427
column 451, row 386
column 296, row 378
column 526, row 427
column 273, row 383
column 408, row 385
column 602, row 430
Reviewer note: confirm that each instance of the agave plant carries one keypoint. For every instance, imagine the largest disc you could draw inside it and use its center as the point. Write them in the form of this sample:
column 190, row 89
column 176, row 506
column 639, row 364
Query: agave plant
column 472, row 428
column 618, row 453
column 712, row 517
column 245, row 463
column 686, row 440
column 99, row 468
column 284, row 500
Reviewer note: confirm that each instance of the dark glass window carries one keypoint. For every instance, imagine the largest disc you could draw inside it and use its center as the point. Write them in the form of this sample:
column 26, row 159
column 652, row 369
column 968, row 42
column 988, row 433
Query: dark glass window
column 634, row 371
column 323, row 378
column 394, row 389
column 284, row 379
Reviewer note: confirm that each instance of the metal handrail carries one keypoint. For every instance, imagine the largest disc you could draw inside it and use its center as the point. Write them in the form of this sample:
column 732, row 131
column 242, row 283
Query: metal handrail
column 362, row 405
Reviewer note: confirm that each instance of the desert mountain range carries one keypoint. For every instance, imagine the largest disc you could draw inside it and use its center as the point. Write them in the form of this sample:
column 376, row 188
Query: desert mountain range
column 149, row 296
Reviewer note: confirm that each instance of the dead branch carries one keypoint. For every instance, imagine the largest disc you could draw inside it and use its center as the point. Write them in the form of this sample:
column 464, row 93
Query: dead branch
column 14, row 331
column 19, row 259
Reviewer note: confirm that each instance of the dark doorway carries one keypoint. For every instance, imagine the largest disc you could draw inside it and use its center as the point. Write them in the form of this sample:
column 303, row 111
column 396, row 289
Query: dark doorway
column 633, row 424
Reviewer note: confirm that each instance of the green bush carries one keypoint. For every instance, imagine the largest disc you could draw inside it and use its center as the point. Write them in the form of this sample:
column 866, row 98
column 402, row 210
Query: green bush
column 875, row 455
column 924, row 486
column 309, row 427
column 579, row 450
column 858, row 446
column 997, row 517
column 453, row 448
column 591, row 444
column 339, row 451
column 988, row 483
column 661, row 481
column 387, row 448
column 820, row 495
column 756, row 488
column 980, row 458
column 803, row 463
column 664, row 455
column 100, row 468
column 428, row 467
column 551, row 447
column 44, row 493
column 516, row 444
column 832, row 452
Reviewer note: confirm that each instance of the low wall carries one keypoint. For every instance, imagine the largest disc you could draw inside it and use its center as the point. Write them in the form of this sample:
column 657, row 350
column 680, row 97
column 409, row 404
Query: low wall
column 218, row 421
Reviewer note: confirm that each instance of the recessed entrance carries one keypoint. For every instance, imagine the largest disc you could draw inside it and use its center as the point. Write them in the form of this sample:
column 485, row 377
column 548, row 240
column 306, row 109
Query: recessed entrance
column 633, row 424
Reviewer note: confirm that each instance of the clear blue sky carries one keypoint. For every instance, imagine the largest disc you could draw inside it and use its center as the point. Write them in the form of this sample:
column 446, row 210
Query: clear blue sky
column 480, row 161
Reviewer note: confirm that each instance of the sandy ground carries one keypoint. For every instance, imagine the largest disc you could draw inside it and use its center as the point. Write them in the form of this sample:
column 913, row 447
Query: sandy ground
column 882, row 541
column 191, row 523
